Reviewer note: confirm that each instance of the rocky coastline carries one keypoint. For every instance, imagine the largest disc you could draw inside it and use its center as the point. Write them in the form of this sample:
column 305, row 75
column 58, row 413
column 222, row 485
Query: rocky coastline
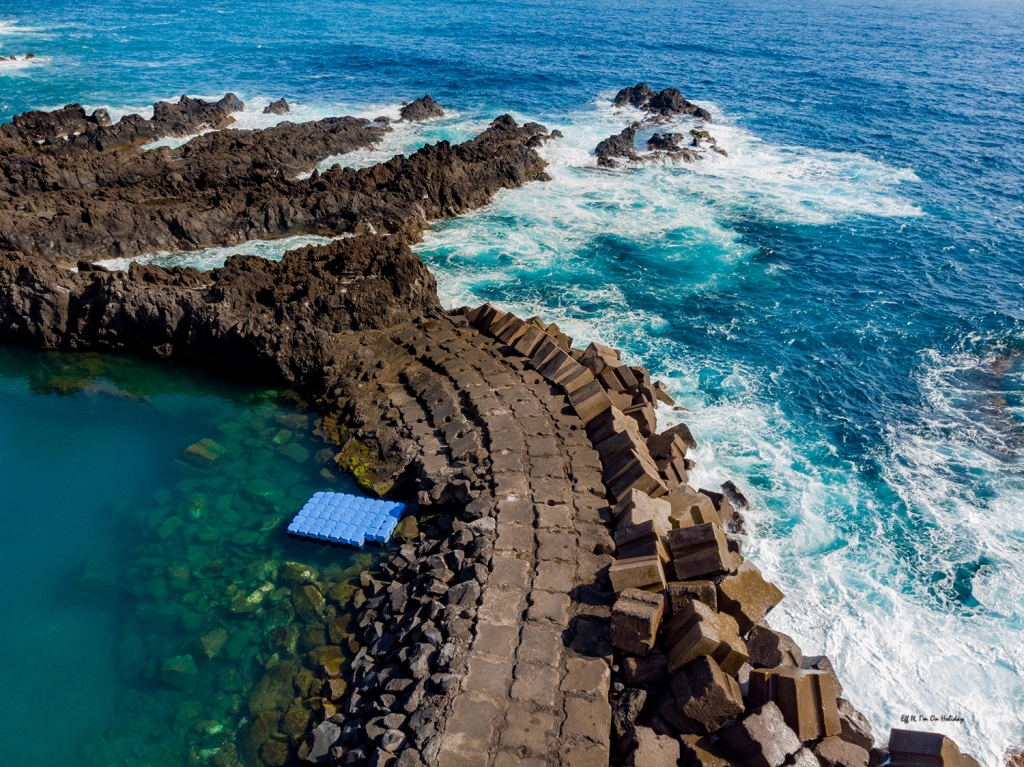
column 561, row 594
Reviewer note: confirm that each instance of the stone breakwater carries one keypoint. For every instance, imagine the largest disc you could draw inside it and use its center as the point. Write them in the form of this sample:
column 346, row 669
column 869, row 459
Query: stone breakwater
column 564, row 596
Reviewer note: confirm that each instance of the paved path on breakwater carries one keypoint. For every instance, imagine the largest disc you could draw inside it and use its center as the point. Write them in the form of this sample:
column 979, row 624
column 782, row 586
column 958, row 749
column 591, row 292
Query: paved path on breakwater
column 535, row 662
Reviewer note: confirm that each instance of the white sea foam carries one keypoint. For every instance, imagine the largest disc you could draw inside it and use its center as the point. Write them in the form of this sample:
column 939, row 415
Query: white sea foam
column 211, row 258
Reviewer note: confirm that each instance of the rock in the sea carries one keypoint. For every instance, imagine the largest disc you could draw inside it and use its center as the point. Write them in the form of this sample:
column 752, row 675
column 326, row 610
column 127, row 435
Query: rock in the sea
column 279, row 107
column 421, row 109
column 179, row 673
column 666, row 141
column 617, row 149
column 636, row 96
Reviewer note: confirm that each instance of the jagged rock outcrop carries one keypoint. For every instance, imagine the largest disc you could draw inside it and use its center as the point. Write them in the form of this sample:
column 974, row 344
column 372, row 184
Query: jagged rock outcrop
column 96, row 132
column 231, row 186
column 421, row 109
column 279, row 107
column 279, row 319
column 661, row 107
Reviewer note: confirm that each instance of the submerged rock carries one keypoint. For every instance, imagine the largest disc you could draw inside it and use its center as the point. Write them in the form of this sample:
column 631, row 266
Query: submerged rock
column 179, row 673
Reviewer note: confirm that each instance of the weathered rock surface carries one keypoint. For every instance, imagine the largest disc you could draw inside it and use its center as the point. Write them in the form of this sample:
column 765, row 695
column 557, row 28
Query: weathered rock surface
column 618, row 150
column 229, row 186
column 279, row 107
column 421, row 109
column 279, row 319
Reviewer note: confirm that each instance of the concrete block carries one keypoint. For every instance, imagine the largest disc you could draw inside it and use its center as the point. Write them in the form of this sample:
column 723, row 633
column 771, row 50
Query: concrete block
column 487, row 316
column 822, row 663
column 636, row 618
column 642, row 507
column 597, row 357
column 706, row 694
column 589, row 401
column 836, row 752
column 747, row 596
column 672, row 471
column 731, row 519
column 578, row 378
column 856, row 728
column 545, row 350
column 611, row 423
column 504, row 324
column 527, row 343
column 682, row 592
column 645, row 673
column 637, row 475
column 762, row 738
column 644, row 416
column 653, row 749
column 618, row 444
column 513, row 331
column 807, row 699
column 768, row 648
column 909, row 748
column 699, row 751
column 666, row 446
column 683, row 432
column 697, row 630
column 691, row 508
column 639, row 573
column 641, row 540
column 698, row 551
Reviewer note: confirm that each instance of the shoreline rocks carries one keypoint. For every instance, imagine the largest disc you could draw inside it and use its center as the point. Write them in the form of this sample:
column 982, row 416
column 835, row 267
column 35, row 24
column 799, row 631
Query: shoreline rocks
column 421, row 109
column 279, row 107
column 564, row 596
column 229, row 186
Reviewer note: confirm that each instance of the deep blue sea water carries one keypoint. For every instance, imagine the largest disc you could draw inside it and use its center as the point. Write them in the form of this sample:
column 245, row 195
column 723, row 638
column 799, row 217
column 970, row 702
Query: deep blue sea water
column 838, row 304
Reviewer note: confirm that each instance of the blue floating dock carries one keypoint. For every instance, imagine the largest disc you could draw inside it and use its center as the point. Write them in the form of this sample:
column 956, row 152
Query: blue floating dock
column 348, row 519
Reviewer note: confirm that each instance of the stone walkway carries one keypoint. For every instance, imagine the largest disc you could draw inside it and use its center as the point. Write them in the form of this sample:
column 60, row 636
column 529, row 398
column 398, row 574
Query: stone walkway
column 535, row 660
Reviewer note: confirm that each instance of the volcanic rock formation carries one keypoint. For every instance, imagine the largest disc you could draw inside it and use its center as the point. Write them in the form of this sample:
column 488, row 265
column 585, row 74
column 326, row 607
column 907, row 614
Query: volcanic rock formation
column 669, row 104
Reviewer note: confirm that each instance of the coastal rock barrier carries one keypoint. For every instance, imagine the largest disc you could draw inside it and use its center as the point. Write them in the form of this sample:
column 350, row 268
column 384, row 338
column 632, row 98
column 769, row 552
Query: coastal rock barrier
column 561, row 595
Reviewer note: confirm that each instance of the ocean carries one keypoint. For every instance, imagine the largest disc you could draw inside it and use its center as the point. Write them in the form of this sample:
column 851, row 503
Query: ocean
column 837, row 304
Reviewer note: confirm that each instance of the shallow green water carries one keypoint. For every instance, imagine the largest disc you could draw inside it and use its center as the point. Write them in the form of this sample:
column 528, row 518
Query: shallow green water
column 126, row 563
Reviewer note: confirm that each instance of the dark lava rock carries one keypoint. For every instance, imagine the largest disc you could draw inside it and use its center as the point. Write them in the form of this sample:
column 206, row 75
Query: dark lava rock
column 670, row 102
column 237, row 185
column 186, row 117
column 420, row 110
column 666, row 141
column 279, row 107
column 617, row 148
column 638, row 95
column 280, row 319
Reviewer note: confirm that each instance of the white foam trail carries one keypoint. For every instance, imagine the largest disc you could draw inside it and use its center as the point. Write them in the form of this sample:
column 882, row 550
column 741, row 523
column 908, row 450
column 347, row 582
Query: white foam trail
column 211, row 258
column 9, row 67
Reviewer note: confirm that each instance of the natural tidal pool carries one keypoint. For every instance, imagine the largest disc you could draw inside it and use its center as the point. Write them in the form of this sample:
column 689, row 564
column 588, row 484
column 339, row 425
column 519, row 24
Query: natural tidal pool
column 154, row 611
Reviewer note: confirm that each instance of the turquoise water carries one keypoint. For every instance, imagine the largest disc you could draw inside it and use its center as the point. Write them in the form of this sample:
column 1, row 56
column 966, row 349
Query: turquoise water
column 838, row 303
column 120, row 559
